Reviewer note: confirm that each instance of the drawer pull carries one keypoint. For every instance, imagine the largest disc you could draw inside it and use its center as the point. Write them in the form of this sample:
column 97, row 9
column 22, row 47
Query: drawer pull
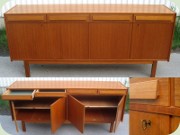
column 145, row 124
column 112, row 17
column 26, row 18
column 68, row 18
column 154, row 18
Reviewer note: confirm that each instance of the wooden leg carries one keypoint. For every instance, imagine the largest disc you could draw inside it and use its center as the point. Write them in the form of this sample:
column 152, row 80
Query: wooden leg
column 153, row 69
column 14, row 115
column 27, row 68
column 112, row 127
column 23, row 126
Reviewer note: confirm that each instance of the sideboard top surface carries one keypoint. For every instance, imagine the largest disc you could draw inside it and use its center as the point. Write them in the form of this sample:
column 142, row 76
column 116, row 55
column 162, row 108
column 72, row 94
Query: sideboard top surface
column 66, row 85
column 89, row 8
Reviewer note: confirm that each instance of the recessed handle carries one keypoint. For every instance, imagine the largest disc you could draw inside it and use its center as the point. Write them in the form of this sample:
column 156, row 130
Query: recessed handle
column 112, row 17
column 154, row 18
column 145, row 124
column 68, row 17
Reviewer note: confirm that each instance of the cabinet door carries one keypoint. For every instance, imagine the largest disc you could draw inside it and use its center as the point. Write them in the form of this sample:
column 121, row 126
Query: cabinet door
column 120, row 111
column 151, row 40
column 27, row 40
column 148, row 124
column 69, row 40
column 58, row 114
column 177, row 92
column 76, row 113
column 110, row 40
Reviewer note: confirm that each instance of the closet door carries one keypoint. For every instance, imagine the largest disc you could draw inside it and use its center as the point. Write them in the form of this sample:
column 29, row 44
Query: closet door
column 76, row 113
column 57, row 114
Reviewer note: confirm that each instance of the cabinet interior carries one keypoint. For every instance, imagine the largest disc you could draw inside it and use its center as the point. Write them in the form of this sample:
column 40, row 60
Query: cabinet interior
column 33, row 115
column 37, row 110
column 21, row 92
column 101, row 115
column 40, row 103
column 99, row 101
column 101, row 109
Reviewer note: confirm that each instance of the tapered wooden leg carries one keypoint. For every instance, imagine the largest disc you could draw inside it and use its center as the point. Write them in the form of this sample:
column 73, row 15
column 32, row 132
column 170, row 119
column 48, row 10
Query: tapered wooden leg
column 153, row 69
column 23, row 126
column 14, row 115
column 27, row 68
column 112, row 127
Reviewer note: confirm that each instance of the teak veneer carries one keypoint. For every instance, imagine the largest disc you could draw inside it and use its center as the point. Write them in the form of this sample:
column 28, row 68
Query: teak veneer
column 90, row 34
column 154, row 115
column 57, row 102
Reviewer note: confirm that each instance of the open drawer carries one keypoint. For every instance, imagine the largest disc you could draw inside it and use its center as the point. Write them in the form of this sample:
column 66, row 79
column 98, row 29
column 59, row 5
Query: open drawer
column 16, row 94
column 95, row 109
column 50, row 93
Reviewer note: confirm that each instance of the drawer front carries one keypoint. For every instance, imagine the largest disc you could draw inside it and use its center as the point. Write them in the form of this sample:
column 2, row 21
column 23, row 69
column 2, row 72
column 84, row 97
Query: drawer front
column 112, row 17
column 177, row 92
column 163, row 97
column 18, row 95
column 174, row 123
column 167, row 18
column 82, row 91
column 12, row 18
column 67, row 17
column 50, row 93
column 112, row 92
column 148, row 124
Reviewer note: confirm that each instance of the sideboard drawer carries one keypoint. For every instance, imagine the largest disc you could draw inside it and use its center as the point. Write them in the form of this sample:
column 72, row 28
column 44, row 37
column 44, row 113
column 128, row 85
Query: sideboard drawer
column 12, row 18
column 50, row 93
column 161, row 97
column 57, row 17
column 177, row 92
column 112, row 92
column 112, row 17
column 18, row 95
column 167, row 18
column 148, row 123
column 82, row 91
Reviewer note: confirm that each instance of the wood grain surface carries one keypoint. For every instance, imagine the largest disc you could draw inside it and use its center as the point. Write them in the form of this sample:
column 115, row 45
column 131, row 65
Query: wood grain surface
column 90, row 8
column 66, row 85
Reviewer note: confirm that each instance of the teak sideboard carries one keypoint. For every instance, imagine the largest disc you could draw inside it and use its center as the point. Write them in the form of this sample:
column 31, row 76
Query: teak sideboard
column 58, row 102
column 90, row 34
column 154, row 106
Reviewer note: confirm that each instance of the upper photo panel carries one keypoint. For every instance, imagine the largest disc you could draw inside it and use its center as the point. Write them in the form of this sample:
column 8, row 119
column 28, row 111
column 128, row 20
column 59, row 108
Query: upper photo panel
column 132, row 38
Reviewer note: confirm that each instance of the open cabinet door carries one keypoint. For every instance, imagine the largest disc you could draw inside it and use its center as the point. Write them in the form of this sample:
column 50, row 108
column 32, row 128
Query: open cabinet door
column 76, row 113
column 57, row 114
column 120, row 112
